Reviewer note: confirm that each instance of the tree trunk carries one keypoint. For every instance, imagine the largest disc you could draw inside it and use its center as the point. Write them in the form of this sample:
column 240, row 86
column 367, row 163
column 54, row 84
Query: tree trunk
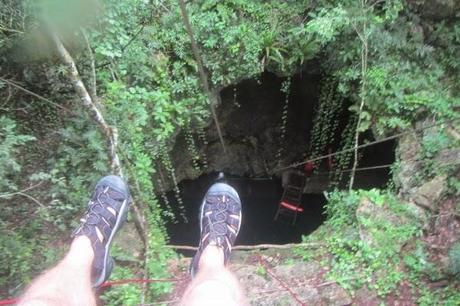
column 110, row 132
column 213, row 97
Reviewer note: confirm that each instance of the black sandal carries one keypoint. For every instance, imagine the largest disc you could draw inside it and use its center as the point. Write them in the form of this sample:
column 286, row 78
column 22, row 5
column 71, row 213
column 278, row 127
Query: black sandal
column 220, row 221
column 106, row 214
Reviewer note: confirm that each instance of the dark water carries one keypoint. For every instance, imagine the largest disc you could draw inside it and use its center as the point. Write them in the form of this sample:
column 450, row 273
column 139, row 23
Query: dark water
column 260, row 199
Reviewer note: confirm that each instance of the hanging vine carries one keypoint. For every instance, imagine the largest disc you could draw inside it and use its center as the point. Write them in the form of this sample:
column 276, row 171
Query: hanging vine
column 167, row 163
column 343, row 160
column 204, row 142
column 168, row 212
column 235, row 98
column 192, row 149
column 212, row 95
column 326, row 120
column 286, row 89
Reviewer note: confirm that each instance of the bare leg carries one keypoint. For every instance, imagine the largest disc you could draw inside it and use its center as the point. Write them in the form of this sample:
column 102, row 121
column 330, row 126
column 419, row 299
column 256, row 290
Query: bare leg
column 68, row 283
column 88, row 263
column 214, row 284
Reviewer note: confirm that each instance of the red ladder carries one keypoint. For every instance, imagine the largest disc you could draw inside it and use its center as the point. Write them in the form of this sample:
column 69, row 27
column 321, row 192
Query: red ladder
column 291, row 200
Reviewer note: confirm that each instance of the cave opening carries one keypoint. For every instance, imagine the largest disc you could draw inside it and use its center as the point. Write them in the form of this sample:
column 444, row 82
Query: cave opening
column 250, row 117
column 260, row 198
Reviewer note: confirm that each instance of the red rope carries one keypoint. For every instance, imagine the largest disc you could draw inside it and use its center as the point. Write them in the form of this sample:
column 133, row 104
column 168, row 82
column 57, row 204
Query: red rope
column 8, row 302
column 109, row 284
column 282, row 283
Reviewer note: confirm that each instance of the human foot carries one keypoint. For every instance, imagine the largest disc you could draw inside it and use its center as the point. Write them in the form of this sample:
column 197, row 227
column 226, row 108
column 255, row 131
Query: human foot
column 220, row 221
column 106, row 214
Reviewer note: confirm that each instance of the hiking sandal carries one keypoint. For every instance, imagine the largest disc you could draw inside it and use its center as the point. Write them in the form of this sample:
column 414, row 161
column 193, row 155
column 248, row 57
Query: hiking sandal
column 106, row 214
column 220, row 221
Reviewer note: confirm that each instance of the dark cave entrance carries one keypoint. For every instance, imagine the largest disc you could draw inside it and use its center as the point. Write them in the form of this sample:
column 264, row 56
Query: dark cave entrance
column 260, row 198
column 250, row 116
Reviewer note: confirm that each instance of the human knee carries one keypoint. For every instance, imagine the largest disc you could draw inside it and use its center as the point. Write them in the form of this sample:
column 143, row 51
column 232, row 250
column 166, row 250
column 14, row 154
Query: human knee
column 213, row 292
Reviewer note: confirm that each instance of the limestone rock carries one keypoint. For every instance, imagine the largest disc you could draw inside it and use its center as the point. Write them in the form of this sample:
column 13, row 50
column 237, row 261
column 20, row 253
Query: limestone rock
column 367, row 211
column 448, row 157
column 429, row 193
column 364, row 296
column 298, row 269
column 335, row 295
column 407, row 151
column 437, row 9
column 250, row 120
column 248, row 275
column 305, row 280
column 374, row 219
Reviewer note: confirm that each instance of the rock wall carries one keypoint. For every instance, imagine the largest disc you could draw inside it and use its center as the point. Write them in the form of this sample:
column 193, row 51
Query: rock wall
column 436, row 9
column 412, row 183
column 250, row 119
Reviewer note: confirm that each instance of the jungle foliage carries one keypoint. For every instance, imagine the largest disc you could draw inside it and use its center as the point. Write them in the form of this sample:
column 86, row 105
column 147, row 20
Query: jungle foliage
column 372, row 240
column 135, row 58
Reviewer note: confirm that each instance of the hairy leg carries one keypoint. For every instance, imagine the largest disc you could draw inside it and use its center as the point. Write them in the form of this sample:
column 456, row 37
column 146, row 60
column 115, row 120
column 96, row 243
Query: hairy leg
column 214, row 284
column 68, row 283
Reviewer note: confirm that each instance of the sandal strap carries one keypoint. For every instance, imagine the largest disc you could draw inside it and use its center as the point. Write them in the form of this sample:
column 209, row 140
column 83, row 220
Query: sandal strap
column 220, row 221
column 107, row 210
column 220, row 226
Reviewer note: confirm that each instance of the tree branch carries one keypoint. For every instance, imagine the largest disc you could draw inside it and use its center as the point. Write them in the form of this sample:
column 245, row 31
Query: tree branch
column 140, row 224
column 364, row 57
column 111, row 133
column 22, row 193
column 123, row 48
column 10, row 30
column 92, row 88
column 6, row 195
column 203, row 77
column 33, row 94
column 254, row 247
column 31, row 198
column 139, row 220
